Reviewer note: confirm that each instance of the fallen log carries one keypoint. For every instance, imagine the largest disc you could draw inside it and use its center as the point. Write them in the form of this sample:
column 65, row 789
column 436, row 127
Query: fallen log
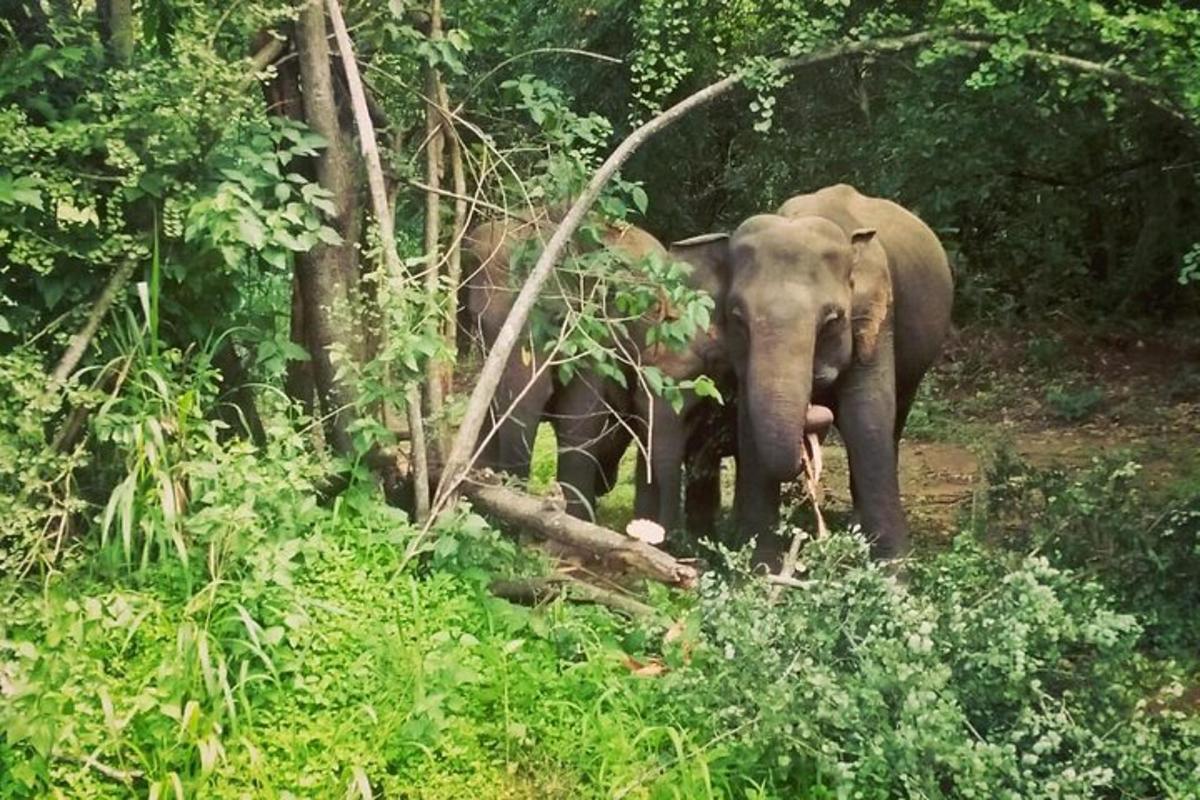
column 549, row 520
column 534, row 591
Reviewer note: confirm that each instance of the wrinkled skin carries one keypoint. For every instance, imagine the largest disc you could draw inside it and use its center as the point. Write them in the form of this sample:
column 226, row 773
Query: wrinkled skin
column 837, row 302
column 588, row 413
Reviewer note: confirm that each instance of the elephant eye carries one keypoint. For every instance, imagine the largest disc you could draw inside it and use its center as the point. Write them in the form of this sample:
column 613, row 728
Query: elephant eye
column 833, row 316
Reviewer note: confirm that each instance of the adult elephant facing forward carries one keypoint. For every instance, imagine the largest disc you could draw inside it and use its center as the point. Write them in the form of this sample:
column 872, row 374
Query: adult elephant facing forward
column 837, row 303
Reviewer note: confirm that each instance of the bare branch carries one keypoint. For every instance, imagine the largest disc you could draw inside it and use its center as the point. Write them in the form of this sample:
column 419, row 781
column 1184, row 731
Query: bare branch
column 80, row 341
column 534, row 591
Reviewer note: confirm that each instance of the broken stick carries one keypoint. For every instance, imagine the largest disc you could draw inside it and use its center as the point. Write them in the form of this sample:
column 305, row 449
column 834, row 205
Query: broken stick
column 533, row 591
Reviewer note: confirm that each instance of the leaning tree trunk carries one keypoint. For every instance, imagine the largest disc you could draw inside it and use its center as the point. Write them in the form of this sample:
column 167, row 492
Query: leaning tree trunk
column 328, row 274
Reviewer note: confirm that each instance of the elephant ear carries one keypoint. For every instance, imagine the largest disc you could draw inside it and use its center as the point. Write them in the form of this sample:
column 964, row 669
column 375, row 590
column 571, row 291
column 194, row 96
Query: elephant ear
column 708, row 256
column 871, row 282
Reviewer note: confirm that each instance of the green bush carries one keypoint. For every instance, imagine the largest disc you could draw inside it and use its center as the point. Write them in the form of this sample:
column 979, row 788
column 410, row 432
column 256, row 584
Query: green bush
column 1074, row 404
column 992, row 676
column 1098, row 522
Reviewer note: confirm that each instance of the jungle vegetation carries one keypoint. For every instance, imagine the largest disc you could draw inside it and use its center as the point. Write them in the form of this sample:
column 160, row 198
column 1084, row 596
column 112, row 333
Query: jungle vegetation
column 235, row 409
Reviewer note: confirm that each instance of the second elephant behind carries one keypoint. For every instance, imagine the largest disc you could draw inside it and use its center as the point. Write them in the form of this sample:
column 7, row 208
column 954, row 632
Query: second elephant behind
column 594, row 417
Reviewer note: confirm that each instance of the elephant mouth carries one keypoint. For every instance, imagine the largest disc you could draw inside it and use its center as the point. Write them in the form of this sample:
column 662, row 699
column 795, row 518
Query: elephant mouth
column 818, row 419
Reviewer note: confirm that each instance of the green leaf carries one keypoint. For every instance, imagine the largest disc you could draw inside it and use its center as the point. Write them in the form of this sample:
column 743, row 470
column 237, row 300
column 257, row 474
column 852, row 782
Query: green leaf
column 251, row 230
column 638, row 195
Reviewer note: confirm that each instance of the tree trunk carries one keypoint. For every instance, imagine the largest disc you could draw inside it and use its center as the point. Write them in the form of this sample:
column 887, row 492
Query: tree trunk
column 454, row 249
column 387, row 236
column 328, row 274
column 435, row 137
column 116, row 25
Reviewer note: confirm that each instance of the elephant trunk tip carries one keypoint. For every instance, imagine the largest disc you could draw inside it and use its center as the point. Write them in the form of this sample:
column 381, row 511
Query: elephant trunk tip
column 818, row 419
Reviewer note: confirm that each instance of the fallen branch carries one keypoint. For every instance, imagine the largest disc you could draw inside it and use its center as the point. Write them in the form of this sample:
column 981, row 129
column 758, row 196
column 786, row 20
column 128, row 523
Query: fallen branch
column 550, row 521
column 535, row 591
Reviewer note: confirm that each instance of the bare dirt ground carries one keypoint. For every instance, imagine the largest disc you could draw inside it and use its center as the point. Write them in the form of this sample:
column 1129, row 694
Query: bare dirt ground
column 1138, row 398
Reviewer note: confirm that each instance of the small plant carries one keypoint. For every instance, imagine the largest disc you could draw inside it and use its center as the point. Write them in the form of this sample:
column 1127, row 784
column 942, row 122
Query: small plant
column 930, row 416
column 1046, row 350
column 1071, row 404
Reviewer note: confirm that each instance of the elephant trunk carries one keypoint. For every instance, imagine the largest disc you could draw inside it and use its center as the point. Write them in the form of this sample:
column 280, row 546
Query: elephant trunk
column 779, row 389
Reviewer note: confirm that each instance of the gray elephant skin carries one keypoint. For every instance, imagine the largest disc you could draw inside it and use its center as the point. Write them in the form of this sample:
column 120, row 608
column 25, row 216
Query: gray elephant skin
column 836, row 302
column 594, row 417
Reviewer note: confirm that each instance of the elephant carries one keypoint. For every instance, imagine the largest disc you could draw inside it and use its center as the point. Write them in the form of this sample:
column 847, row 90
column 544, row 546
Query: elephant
column 697, row 435
column 834, row 307
column 590, row 413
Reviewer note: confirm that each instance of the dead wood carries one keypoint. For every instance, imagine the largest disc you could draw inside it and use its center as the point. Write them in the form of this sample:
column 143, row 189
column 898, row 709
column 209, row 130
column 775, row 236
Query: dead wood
column 535, row 591
column 549, row 520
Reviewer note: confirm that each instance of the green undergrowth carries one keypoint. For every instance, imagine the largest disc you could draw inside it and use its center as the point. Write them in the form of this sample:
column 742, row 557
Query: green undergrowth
column 212, row 630
column 323, row 664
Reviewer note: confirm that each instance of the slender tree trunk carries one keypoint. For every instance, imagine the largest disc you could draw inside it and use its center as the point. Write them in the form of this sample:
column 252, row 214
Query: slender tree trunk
column 435, row 138
column 116, row 23
column 387, row 236
column 328, row 275
column 454, row 249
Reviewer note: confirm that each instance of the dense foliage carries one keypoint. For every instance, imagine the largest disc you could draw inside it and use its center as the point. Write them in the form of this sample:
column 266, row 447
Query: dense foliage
column 203, row 590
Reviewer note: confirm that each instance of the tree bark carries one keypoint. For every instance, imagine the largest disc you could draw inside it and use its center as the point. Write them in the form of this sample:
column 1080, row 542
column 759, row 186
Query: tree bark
column 328, row 274
column 454, row 249
column 116, row 23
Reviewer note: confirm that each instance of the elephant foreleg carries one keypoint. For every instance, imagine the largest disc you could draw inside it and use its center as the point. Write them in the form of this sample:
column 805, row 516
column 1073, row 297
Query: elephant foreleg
column 756, row 499
column 866, row 420
column 703, row 492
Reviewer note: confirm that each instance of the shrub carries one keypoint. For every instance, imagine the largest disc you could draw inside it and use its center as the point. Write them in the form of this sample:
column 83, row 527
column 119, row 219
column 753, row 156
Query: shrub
column 991, row 677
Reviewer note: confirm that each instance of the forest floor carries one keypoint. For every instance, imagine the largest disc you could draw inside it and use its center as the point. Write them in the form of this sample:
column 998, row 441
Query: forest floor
column 1053, row 400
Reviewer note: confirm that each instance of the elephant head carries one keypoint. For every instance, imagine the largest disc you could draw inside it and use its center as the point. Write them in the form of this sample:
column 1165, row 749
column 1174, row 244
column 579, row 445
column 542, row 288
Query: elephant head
column 802, row 299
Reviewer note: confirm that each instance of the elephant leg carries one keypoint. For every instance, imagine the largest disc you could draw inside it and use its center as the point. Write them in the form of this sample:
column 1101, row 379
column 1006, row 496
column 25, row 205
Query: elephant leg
column 519, row 407
column 703, row 492
column 611, row 450
column 645, row 499
column 585, row 427
column 756, row 499
column 666, row 463
column 905, row 397
column 866, row 421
